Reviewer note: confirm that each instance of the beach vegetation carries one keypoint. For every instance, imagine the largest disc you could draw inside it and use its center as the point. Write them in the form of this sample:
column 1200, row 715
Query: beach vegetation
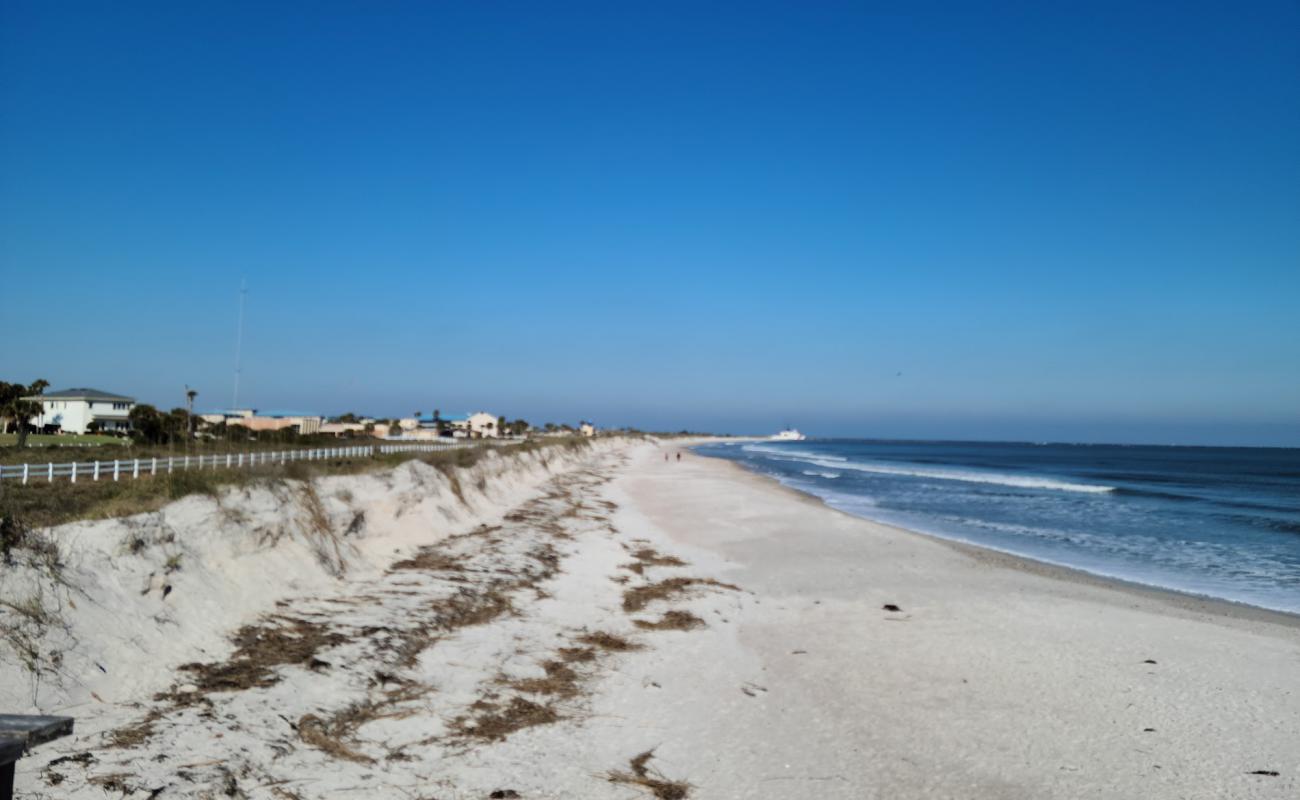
column 151, row 426
column 675, row 620
column 653, row 781
column 41, row 504
column 15, row 410
column 638, row 597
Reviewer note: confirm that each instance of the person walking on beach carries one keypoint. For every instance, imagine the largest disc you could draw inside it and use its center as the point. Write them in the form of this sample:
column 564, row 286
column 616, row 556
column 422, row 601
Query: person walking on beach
column 679, row 455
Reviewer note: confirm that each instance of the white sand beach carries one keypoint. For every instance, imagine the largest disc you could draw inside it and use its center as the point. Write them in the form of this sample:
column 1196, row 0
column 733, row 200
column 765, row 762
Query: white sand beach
column 533, row 630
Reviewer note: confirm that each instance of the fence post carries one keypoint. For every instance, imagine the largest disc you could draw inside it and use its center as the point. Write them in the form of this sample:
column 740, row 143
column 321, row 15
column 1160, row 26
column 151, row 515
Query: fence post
column 115, row 469
column 25, row 466
column 74, row 472
column 95, row 474
column 169, row 465
column 227, row 461
column 135, row 469
column 153, row 468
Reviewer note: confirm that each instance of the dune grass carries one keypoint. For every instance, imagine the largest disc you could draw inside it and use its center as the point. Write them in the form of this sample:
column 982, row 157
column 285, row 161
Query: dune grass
column 41, row 504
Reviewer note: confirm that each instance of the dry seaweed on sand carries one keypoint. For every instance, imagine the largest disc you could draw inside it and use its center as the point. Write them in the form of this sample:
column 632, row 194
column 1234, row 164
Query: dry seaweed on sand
column 132, row 735
column 671, row 621
column 651, row 780
column 430, row 559
column 649, row 557
column 638, row 597
column 654, row 558
column 608, row 641
column 560, row 680
column 259, row 650
column 495, row 722
column 578, row 655
column 330, row 736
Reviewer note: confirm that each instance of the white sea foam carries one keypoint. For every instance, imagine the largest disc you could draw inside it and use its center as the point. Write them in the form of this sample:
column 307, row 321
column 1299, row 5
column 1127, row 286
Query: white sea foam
column 821, row 474
column 968, row 476
column 788, row 452
column 1111, row 539
column 999, row 479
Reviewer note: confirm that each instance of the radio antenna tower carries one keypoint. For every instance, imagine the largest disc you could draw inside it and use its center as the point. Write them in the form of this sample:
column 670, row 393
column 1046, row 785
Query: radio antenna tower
column 239, row 340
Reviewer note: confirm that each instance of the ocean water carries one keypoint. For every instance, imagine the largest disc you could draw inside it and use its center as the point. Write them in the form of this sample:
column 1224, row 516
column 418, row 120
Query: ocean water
column 1222, row 522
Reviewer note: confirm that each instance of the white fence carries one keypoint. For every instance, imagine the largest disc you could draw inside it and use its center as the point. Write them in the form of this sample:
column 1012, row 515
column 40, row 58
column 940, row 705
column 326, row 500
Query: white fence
column 116, row 469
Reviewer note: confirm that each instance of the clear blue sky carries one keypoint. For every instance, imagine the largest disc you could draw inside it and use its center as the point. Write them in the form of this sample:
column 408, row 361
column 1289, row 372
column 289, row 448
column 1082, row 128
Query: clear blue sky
column 1073, row 221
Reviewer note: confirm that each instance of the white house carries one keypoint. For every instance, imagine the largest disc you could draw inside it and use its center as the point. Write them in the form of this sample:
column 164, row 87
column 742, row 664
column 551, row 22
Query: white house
column 482, row 425
column 479, row 425
column 587, row 429
column 73, row 410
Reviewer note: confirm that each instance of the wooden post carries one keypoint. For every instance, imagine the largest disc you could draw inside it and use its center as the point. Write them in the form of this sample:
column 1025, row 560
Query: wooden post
column 153, row 468
column 25, row 466
column 74, row 472
column 135, row 469
column 115, row 468
column 95, row 474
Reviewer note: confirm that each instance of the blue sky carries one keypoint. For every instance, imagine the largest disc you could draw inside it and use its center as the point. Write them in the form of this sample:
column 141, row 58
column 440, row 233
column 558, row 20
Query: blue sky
column 1074, row 221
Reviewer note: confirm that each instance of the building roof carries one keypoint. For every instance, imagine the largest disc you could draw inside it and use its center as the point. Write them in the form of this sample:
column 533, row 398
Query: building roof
column 445, row 418
column 83, row 393
column 257, row 412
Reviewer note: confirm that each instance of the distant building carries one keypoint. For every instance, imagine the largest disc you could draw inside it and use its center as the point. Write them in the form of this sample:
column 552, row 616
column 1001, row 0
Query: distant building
column 78, row 410
column 587, row 429
column 254, row 420
column 436, row 426
column 479, row 425
column 482, row 425
column 351, row 428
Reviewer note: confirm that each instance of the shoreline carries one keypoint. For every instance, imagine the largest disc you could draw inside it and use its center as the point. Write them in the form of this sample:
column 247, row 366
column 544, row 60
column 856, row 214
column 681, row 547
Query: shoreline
column 1180, row 600
column 631, row 622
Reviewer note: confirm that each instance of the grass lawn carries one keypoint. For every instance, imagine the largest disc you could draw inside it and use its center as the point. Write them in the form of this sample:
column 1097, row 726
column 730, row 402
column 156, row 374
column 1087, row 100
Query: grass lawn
column 61, row 449
column 42, row 440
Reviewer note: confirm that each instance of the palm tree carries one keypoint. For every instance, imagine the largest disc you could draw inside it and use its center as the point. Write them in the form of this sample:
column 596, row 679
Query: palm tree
column 190, row 394
column 13, row 405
